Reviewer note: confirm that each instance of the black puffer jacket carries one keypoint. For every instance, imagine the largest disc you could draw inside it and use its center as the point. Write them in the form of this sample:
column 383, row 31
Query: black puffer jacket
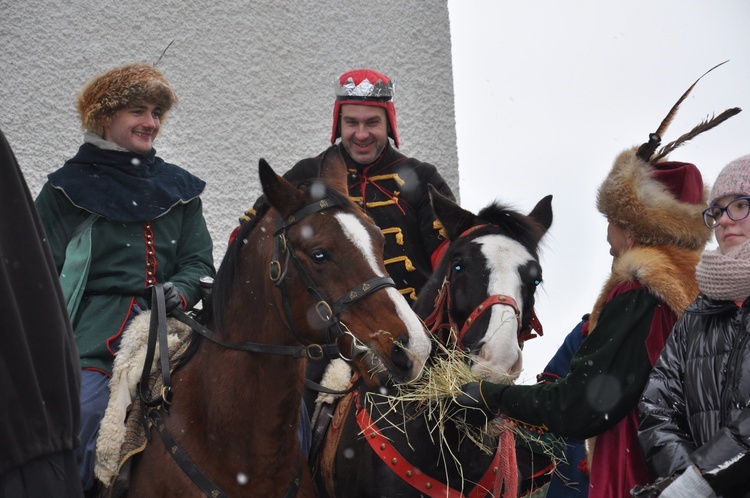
column 696, row 407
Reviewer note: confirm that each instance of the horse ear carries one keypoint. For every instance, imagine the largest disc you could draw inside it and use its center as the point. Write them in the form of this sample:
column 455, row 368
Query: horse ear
column 455, row 219
column 280, row 194
column 333, row 169
column 542, row 214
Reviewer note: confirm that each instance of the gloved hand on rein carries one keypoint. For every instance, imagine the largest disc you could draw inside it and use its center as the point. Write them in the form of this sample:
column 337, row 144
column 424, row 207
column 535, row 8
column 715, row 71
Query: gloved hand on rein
column 473, row 403
column 172, row 297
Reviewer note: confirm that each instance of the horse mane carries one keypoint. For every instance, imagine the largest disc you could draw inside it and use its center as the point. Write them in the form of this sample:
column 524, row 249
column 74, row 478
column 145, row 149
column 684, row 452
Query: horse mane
column 227, row 271
column 519, row 227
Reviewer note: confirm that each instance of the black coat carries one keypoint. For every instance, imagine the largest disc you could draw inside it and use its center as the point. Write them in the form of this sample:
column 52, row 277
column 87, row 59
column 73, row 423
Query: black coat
column 696, row 407
column 40, row 375
column 393, row 191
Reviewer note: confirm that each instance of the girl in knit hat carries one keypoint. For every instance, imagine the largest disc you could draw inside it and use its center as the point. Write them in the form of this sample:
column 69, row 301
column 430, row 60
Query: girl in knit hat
column 695, row 412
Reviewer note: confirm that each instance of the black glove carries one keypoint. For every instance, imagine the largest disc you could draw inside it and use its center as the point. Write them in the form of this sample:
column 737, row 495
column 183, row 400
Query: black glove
column 472, row 403
column 172, row 298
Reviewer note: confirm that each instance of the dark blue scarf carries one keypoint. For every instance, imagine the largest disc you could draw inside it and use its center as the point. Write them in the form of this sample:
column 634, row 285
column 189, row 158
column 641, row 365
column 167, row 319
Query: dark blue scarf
column 123, row 186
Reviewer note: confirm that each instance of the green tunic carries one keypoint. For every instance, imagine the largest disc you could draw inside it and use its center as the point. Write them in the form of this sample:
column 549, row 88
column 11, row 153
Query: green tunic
column 121, row 266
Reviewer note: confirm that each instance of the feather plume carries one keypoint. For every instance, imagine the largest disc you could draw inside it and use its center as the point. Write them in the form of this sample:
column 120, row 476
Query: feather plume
column 162, row 54
column 704, row 126
column 646, row 150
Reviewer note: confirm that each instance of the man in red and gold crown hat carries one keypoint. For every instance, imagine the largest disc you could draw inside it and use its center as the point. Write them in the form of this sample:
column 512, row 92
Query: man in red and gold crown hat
column 389, row 186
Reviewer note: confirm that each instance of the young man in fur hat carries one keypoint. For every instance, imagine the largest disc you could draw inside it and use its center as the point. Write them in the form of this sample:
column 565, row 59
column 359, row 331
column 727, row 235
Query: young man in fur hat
column 389, row 186
column 656, row 240
column 119, row 219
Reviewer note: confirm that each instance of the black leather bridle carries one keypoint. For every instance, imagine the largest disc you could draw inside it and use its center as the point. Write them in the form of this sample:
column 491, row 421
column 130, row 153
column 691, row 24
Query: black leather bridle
column 335, row 330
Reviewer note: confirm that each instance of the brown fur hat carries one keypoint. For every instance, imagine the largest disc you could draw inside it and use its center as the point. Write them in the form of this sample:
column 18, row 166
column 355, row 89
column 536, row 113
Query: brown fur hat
column 107, row 93
column 660, row 203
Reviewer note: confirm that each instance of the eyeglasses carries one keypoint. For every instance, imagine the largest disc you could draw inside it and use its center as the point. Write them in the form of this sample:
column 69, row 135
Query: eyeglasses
column 737, row 210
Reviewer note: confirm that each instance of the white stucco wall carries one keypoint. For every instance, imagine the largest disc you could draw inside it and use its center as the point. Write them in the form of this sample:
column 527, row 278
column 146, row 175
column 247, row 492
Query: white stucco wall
column 254, row 79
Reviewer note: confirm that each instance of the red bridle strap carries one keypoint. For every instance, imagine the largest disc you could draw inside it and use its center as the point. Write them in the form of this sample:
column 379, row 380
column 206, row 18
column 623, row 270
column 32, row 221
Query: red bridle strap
column 473, row 229
column 485, row 306
column 435, row 321
column 442, row 301
column 411, row 475
column 536, row 326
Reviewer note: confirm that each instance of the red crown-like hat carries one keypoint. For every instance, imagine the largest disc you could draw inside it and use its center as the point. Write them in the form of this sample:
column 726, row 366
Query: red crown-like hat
column 365, row 87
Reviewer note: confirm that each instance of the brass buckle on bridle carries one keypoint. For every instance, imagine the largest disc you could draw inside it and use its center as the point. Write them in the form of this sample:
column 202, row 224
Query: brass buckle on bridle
column 314, row 352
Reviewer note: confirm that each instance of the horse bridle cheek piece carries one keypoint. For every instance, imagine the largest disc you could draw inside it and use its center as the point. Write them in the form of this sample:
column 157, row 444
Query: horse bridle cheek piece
column 329, row 314
column 151, row 407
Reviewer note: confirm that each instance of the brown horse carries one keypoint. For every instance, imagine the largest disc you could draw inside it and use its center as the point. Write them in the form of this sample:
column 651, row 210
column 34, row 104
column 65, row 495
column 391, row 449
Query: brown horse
column 304, row 280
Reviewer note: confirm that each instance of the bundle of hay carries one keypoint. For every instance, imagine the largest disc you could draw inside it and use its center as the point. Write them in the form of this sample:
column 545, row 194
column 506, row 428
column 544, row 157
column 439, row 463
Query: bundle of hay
column 434, row 396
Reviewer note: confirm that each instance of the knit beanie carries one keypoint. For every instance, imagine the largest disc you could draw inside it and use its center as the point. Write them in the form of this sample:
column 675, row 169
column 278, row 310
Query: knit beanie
column 659, row 203
column 734, row 179
column 107, row 93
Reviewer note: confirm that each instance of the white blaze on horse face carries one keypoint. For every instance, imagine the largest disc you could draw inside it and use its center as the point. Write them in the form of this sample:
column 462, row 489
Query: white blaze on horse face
column 419, row 344
column 499, row 358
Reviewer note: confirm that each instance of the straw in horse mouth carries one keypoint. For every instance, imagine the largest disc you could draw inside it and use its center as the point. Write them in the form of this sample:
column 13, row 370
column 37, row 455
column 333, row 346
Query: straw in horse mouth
column 376, row 365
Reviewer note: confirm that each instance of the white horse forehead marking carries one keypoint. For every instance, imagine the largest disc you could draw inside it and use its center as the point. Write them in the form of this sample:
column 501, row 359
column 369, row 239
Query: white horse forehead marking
column 504, row 255
column 356, row 232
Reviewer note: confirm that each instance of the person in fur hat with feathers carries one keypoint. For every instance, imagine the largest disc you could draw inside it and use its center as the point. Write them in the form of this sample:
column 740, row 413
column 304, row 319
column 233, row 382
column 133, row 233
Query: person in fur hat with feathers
column 695, row 411
column 653, row 207
column 119, row 220
column 652, row 210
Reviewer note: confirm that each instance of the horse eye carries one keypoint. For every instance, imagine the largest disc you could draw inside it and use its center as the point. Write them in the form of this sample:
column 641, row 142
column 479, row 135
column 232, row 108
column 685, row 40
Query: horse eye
column 458, row 267
column 319, row 256
column 537, row 282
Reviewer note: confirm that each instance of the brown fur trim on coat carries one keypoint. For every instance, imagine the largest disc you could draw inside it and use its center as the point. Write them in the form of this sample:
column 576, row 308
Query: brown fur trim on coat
column 632, row 198
column 667, row 272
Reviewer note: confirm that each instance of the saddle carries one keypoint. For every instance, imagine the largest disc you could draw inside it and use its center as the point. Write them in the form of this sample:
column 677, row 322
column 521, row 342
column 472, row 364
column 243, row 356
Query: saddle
column 122, row 434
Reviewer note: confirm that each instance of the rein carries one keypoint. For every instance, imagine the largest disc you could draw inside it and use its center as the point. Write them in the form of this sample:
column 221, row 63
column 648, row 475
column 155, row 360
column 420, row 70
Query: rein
column 335, row 329
column 329, row 313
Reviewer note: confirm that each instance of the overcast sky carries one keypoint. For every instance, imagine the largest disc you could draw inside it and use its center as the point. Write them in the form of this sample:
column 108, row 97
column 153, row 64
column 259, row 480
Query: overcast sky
column 548, row 93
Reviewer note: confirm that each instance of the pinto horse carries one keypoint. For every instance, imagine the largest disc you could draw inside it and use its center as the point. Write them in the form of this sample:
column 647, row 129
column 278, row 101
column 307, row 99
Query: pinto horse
column 483, row 290
column 305, row 281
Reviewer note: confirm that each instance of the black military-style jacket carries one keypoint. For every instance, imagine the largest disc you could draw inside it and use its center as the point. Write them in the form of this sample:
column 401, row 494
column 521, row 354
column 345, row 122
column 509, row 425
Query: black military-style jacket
column 393, row 191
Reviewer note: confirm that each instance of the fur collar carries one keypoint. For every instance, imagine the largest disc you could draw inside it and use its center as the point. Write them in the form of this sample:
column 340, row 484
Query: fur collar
column 667, row 272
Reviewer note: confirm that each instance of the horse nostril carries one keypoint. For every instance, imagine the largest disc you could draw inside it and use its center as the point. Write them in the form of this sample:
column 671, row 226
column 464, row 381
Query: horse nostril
column 400, row 359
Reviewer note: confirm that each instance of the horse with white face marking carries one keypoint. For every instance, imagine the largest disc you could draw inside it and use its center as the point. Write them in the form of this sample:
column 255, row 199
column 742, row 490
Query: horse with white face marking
column 479, row 299
column 305, row 280
column 485, row 284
